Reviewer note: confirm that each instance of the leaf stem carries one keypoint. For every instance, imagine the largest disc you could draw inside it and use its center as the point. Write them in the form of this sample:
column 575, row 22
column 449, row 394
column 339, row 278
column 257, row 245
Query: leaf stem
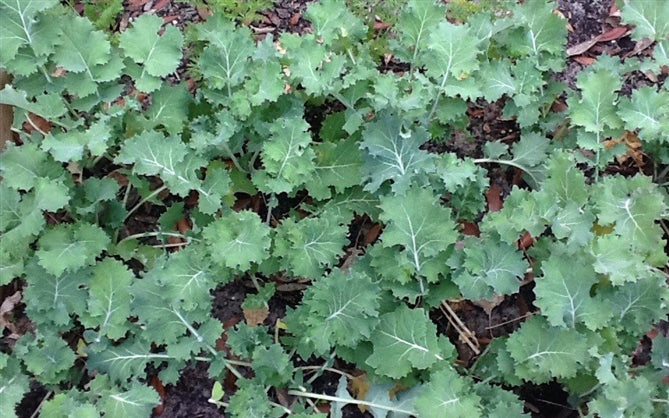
column 348, row 400
column 342, row 100
column 158, row 234
column 234, row 160
column 507, row 162
column 146, row 199
column 436, row 99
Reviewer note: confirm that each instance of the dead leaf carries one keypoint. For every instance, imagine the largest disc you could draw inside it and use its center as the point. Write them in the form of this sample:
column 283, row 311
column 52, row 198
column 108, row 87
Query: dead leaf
column 160, row 4
column 6, row 113
column 36, row 123
column 294, row 19
column 170, row 19
column 183, row 226
column 526, row 241
column 136, row 4
column 380, row 25
column 470, row 228
column 494, row 198
column 255, row 317
column 578, row 49
column 204, row 12
column 7, row 307
column 614, row 33
column 372, row 234
column 583, row 60
column 359, row 386
column 158, row 386
column 489, row 305
column 59, row 72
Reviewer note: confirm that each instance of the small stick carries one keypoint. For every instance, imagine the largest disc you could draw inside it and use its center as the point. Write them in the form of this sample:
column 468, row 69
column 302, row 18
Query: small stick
column 459, row 326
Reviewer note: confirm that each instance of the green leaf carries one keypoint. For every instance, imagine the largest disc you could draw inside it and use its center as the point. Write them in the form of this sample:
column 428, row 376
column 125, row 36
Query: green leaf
column 243, row 339
column 70, row 146
column 310, row 245
column 169, row 108
column 237, row 240
column 638, row 305
column 625, row 397
column 563, row 293
column 48, row 105
column 418, row 19
column 225, row 61
column 272, row 365
column 419, row 224
column 616, row 258
column 337, row 166
column 83, row 50
column 135, row 402
column 647, row 110
column 23, row 166
column 14, row 384
column 522, row 211
column 499, row 403
column 498, row 80
column 22, row 24
column 448, row 391
column 651, row 19
column 189, row 276
column 159, row 55
column 124, row 360
column 596, row 109
column 331, row 20
column 452, row 52
column 339, row 310
column 491, row 268
column 250, row 401
column 575, row 224
column 541, row 32
column 565, row 182
column 185, row 332
column 631, row 205
column 311, row 63
column 660, row 354
column 54, row 299
column 542, row 352
column 109, row 303
column 70, row 247
column 47, row 356
column 266, row 83
column 287, row 157
column 404, row 339
column 21, row 220
column 153, row 154
column 392, row 153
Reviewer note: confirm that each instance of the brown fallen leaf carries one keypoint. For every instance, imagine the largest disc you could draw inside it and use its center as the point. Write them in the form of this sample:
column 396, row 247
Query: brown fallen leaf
column 255, row 317
column 489, row 305
column 6, row 308
column 160, row 4
column 380, row 25
column 494, row 198
column 609, row 35
column 6, row 113
column 614, row 33
column 158, row 386
column 470, row 228
column 359, row 386
column 526, row 241
column 294, row 19
column 583, row 60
